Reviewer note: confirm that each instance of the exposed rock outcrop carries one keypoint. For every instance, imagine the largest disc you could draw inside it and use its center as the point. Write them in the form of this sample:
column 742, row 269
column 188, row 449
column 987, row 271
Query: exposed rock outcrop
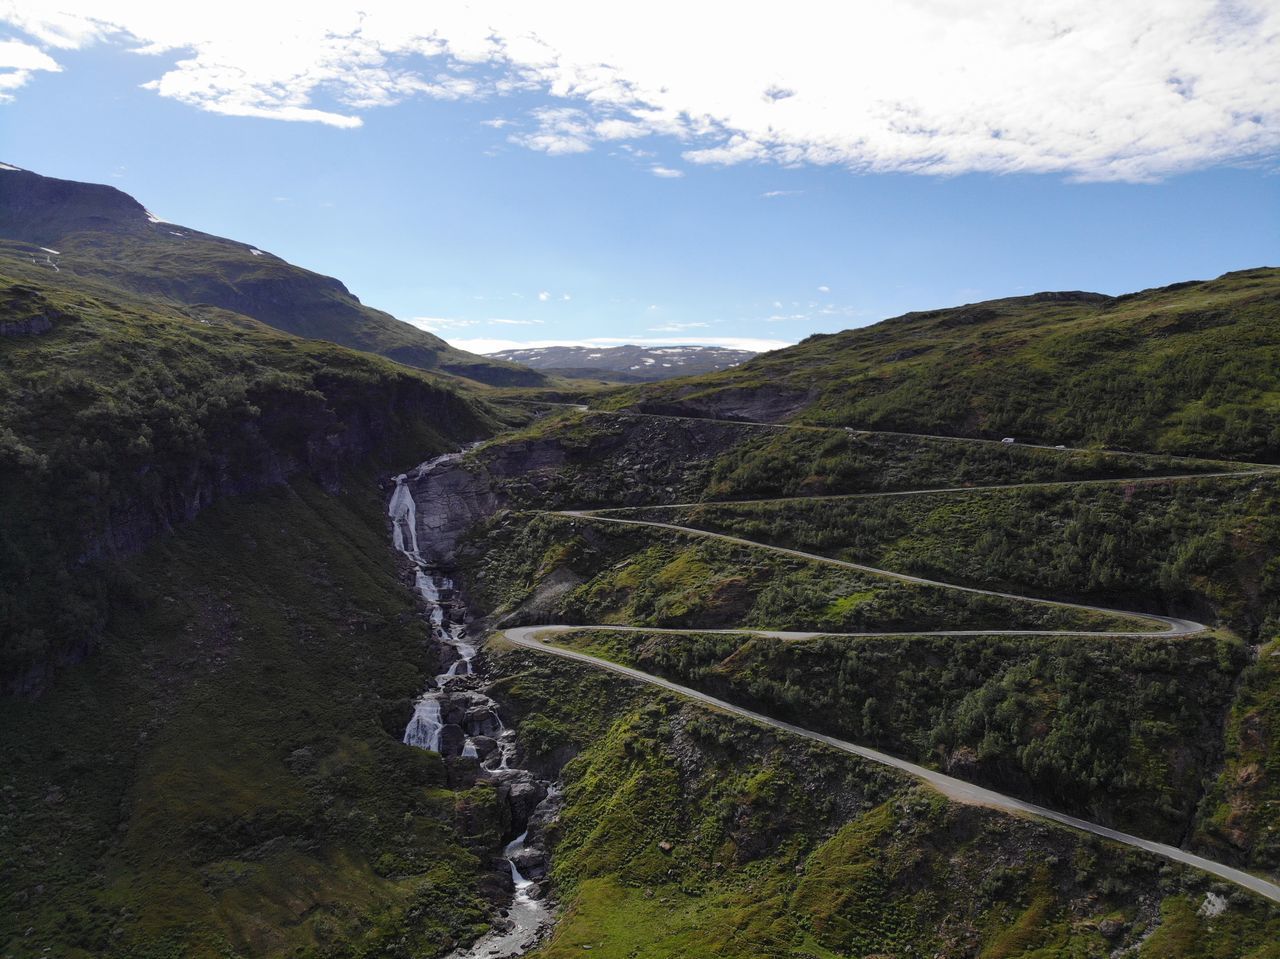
column 31, row 326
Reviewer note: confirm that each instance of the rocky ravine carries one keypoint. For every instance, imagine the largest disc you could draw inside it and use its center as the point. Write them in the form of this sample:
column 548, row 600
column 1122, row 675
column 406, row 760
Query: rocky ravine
column 619, row 459
column 456, row 717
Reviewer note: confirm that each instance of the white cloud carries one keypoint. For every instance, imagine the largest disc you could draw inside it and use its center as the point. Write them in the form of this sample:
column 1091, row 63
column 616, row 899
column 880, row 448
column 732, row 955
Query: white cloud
column 666, row 172
column 1087, row 88
column 18, row 63
column 824, row 289
column 769, row 195
column 516, row 322
column 560, row 130
column 677, row 327
column 544, row 296
column 437, row 324
column 566, row 297
column 615, row 129
column 493, row 345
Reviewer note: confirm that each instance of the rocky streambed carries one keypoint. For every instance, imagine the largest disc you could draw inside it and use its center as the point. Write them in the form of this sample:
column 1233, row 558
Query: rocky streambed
column 456, row 718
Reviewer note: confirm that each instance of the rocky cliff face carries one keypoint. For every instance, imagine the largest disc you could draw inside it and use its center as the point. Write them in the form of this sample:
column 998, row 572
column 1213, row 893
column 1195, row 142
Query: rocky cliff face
column 42, row 210
column 30, row 326
column 295, row 435
column 769, row 403
column 602, row 460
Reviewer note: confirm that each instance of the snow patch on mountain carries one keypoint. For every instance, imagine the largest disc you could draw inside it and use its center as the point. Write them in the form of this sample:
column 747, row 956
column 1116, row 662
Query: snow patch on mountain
column 627, row 363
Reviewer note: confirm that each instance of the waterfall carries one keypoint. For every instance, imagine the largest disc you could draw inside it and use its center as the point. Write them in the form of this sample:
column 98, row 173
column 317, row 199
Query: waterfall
column 424, row 728
column 528, row 917
column 403, row 513
column 510, row 852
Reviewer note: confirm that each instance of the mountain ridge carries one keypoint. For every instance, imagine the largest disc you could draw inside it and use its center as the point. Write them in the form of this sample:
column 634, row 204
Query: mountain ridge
column 104, row 233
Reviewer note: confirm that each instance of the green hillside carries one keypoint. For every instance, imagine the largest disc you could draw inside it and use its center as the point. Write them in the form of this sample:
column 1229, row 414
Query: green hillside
column 121, row 418
column 224, row 777
column 210, row 652
column 686, row 833
column 1192, row 368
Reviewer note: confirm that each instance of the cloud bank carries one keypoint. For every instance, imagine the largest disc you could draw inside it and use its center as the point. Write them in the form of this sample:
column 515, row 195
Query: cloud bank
column 1090, row 89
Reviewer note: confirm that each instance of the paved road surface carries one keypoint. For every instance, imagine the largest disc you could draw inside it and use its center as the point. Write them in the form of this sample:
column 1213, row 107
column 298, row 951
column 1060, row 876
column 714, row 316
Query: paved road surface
column 528, row 637
column 1042, row 484
column 1172, row 626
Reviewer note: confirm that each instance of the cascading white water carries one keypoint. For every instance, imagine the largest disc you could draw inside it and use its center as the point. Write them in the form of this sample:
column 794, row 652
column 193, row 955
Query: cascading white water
column 403, row 512
column 431, row 586
column 528, row 918
column 424, row 728
column 510, row 852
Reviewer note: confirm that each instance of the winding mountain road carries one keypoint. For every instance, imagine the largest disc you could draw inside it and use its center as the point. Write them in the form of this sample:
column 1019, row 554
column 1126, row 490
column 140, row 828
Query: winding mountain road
column 1172, row 626
column 530, row 637
column 993, row 488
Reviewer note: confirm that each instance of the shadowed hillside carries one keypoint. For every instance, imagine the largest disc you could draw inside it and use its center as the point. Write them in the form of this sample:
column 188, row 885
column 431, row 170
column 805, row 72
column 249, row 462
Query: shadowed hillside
column 99, row 232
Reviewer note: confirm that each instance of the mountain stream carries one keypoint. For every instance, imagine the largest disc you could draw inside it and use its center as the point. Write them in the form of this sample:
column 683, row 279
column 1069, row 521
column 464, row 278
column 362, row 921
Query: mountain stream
column 455, row 718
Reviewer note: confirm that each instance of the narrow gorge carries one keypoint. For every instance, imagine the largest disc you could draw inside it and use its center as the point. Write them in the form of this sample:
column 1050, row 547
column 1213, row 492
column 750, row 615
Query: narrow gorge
column 457, row 719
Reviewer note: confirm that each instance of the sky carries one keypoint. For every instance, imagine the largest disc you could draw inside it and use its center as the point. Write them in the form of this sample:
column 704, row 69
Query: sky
column 514, row 173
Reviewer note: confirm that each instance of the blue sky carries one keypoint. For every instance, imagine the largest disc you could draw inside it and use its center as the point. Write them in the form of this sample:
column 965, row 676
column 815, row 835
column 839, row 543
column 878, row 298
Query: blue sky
column 496, row 212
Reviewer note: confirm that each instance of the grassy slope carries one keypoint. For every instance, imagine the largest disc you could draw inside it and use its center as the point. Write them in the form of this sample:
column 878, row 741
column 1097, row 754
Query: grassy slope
column 1189, row 369
column 1120, row 732
column 200, row 269
column 604, row 460
column 639, row 576
column 1240, row 815
column 218, row 780
column 126, row 418
column 1207, row 546
column 1006, row 712
column 779, row 848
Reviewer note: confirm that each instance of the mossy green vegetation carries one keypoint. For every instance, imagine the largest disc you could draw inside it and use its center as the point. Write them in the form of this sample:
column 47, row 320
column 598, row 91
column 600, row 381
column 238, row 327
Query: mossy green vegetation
column 1208, row 547
column 576, row 459
column 1240, row 815
column 581, row 571
column 126, row 418
column 689, row 833
column 1187, row 369
column 814, row 462
column 224, row 776
column 1117, row 731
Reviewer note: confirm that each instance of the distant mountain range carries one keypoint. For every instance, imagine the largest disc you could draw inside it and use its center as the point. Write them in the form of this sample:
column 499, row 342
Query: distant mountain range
column 626, row 364
column 100, row 233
